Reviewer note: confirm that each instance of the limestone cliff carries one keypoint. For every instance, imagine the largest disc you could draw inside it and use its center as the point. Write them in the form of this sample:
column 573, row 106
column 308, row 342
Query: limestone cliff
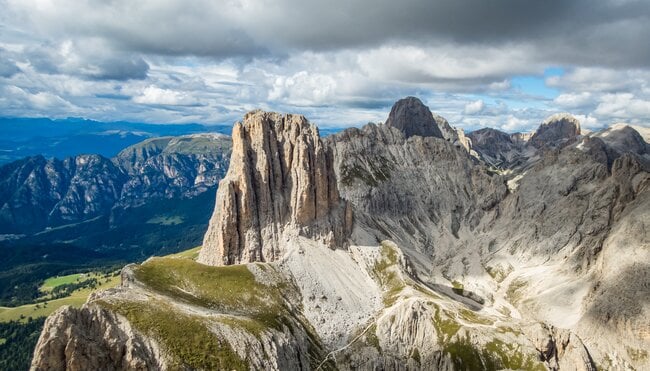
column 280, row 183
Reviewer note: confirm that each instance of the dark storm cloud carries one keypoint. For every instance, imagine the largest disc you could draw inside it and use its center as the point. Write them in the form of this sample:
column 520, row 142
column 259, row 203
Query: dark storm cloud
column 581, row 32
column 86, row 60
column 120, row 69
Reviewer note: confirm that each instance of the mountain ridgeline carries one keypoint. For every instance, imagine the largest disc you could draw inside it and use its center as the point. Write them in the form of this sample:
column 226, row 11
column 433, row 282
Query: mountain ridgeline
column 38, row 193
column 88, row 211
column 444, row 252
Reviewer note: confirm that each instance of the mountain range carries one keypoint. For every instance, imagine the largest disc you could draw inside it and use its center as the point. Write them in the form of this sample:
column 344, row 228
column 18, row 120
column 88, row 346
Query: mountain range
column 91, row 211
column 404, row 245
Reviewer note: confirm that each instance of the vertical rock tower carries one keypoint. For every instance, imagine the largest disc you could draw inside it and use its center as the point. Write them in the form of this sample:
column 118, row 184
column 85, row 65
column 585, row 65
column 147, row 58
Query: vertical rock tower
column 280, row 184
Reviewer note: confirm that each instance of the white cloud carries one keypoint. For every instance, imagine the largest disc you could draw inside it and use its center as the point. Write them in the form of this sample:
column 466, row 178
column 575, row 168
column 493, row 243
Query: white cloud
column 514, row 124
column 588, row 122
column 573, row 100
column 158, row 96
column 474, row 107
column 624, row 106
column 15, row 100
column 304, row 88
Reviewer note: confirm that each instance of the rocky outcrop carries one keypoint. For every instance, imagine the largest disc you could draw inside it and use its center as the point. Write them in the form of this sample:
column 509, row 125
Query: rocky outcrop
column 496, row 148
column 412, row 117
column 624, row 138
column 280, row 183
column 454, row 135
column 560, row 349
column 556, row 131
column 421, row 192
column 93, row 338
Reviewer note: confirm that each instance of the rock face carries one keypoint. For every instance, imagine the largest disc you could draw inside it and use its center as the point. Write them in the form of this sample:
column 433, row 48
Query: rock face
column 280, row 182
column 93, row 338
column 454, row 135
column 496, row 148
column 557, row 131
column 421, row 192
column 412, row 117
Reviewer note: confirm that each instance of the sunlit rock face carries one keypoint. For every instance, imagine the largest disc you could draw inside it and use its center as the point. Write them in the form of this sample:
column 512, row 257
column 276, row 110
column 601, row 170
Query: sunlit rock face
column 280, row 183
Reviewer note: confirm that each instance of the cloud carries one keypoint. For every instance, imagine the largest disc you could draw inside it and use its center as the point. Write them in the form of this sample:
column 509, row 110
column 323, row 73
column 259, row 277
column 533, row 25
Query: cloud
column 88, row 58
column 474, row 107
column 15, row 100
column 167, row 97
column 8, row 67
column 257, row 27
column 624, row 106
column 573, row 100
column 341, row 63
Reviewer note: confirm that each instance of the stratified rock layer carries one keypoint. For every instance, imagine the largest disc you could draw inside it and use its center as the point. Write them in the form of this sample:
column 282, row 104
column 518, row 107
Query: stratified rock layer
column 280, row 183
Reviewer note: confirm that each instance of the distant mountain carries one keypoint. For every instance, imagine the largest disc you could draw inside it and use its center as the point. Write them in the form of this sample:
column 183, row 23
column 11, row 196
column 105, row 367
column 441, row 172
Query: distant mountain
column 38, row 193
column 62, row 138
column 88, row 210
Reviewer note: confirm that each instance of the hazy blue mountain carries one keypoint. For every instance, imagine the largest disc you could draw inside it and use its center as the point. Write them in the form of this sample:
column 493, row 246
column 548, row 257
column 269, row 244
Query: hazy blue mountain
column 61, row 138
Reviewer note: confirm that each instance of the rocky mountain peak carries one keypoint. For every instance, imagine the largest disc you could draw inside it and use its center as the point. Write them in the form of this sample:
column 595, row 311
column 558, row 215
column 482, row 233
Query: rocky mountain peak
column 624, row 138
column 556, row 131
column 280, row 183
column 412, row 117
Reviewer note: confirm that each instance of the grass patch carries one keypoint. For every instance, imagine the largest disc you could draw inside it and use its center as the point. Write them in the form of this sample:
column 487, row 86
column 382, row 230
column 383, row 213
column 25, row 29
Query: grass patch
column 446, row 327
column 416, row 355
column 53, row 282
column 467, row 357
column 191, row 254
column 457, row 287
column 512, row 294
column 427, row 292
column 497, row 273
column 186, row 338
column 637, row 354
column 248, row 305
column 509, row 356
column 228, row 289
column 386, row 270
column 166, row 220
column 44, row 309
column 495, row 355
column 472, row 317
column 371, row 337
column 506, row 329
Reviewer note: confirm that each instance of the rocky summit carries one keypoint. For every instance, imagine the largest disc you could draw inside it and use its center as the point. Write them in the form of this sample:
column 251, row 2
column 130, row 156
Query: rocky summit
column 557, row 130
column 281, row 183
column 395, row 246
column 412, row 117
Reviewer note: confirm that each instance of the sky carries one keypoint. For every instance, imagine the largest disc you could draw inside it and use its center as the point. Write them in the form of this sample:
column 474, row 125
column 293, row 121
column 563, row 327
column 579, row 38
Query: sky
column 506, row 64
